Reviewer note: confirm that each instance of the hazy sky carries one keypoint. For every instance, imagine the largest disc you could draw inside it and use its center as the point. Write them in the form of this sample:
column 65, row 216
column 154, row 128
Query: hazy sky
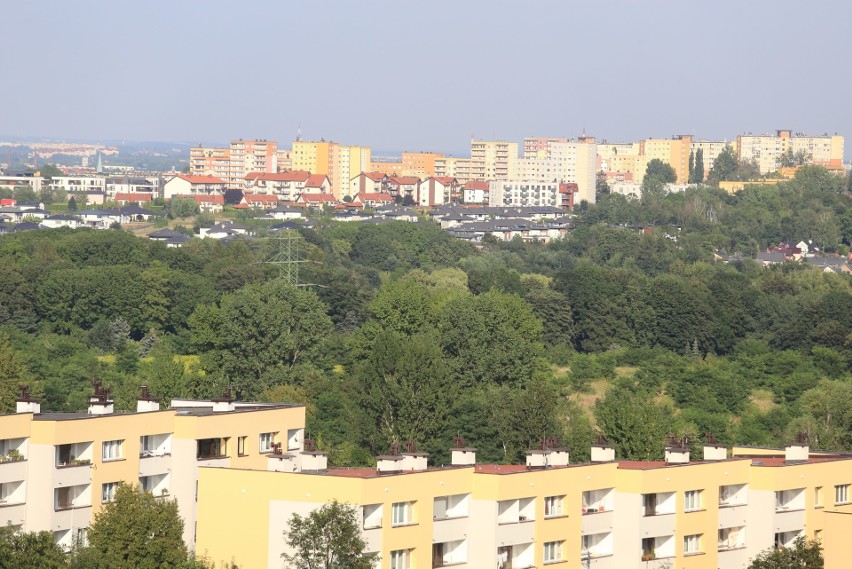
column 423, row 75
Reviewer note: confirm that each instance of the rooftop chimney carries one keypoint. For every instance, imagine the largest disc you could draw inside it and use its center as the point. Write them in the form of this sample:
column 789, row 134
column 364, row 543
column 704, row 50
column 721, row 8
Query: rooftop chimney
column 224, row 403
column 391, row 462
column 602, row 451
column 413, row 460
column 798, row 451
column 713, row 450
column 462, row 455
column 26, row 404
column 547, row 455
column 677, row 451
column 313, row 460
column 145, row 402
column 100, row 402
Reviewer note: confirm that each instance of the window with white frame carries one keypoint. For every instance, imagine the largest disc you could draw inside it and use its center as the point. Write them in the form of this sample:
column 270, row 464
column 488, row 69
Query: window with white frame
column 402, row 513
column 111, row 450
column 691, row 544
column 108, row 491
column 553, row 551
column 692, row 500
column 266, row 442
column 553, row 506
column 401, row 559
column 841, row 494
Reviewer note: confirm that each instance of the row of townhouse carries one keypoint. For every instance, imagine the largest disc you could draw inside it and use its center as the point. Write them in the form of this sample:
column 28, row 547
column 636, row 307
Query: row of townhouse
column 57, row 470
column 718, row 512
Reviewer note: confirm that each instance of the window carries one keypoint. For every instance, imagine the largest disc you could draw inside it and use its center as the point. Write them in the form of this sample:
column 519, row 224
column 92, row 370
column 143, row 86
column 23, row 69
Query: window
column 266, row 442
column 241, row 446
column 111, row 450
column 818, row 497
column 81, row 536
column 210, row 448
column 372, row 516
column 402, row 513
column 401, row 559
column 692, row 544
column 692, row 500
column 553, row 506
column 108, row 492
column 553, row 551
column 841, row 494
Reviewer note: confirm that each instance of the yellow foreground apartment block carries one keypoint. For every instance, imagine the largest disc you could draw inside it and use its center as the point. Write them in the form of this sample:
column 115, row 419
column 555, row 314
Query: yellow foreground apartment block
column 718, row 512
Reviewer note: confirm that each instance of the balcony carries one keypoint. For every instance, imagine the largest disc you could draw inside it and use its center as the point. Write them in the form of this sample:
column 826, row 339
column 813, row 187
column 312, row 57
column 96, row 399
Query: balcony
column 153, row 464
column 11, row 470
column 448, row 529
column 598, row 522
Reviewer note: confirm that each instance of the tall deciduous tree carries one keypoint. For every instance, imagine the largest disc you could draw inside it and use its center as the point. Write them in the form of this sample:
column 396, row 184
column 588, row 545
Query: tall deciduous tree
column 135, row 530
column 257, row 335
column 491, row 338
column 659, row 173
column 327, row 538
column 406, row 389
column 633, row 421
column 14, row 372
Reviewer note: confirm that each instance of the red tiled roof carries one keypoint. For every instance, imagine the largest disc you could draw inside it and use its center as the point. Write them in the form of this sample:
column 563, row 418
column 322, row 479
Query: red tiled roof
column 201, row 198
column 133, row 197
column 260, row 198
column 201, row 179
column 318, row 198
column 446, row 180
column 375, row 176
column 406, row 180
column 253, row 175
column 316, row 180
column 476, row 185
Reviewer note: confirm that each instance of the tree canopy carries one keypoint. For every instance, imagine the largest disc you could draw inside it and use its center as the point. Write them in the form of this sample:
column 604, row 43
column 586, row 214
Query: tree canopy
column 328, row 537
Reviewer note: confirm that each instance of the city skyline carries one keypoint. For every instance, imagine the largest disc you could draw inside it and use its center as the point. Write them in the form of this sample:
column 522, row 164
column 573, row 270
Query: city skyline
column 417, row 77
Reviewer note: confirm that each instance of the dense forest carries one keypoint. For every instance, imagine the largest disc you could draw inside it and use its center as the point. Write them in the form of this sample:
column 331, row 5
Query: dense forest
column 627, row 327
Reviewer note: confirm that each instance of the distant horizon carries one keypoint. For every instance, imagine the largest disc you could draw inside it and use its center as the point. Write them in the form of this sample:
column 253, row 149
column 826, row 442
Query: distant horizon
column 376, row 152
column 424, row 75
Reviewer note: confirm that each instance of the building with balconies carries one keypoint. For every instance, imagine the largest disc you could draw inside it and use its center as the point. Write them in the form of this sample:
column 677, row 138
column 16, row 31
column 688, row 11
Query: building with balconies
column 57, row 470
column 719, row 511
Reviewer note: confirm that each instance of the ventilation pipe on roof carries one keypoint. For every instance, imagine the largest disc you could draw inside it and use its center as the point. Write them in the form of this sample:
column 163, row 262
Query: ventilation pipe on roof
column 677, row 451
column 145, row 402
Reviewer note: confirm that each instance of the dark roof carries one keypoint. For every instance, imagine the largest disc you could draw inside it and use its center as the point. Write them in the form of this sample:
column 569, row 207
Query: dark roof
column 164, row 233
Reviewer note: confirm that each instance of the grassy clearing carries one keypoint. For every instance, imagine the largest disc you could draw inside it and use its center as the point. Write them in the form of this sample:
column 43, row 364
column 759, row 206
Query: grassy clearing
column 763, row 400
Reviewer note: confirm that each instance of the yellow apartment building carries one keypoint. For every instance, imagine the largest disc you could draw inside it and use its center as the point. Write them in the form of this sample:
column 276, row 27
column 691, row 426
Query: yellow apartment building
column 58, row 469
column 719, row 512
column 673, row 151
column 339, row 163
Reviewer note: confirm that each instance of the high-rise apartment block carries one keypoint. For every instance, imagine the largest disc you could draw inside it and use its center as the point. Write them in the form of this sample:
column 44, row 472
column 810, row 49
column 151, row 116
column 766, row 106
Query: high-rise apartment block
column 233, row 163
column 493, row 160
column 768, row 151
column 561, row 161
column 339, row 163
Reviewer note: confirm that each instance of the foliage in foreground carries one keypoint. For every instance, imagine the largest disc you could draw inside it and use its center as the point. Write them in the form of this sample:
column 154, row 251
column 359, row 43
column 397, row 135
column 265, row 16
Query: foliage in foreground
column 805, row 554
column 328, row 537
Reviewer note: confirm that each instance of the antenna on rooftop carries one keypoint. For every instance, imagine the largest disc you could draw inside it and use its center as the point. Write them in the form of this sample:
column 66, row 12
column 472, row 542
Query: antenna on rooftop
column 299, row 133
